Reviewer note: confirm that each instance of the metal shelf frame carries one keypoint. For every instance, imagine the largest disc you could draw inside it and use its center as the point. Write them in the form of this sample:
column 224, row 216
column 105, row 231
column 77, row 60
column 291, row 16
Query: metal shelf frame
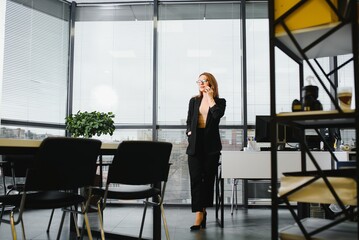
column 306, row 45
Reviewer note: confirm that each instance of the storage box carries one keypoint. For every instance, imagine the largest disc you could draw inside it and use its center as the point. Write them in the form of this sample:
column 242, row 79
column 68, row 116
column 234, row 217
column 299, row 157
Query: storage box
column 310, row 14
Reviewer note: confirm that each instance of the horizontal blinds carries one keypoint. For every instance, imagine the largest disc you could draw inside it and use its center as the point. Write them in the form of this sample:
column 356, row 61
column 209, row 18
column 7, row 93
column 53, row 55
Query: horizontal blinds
column 35, row 65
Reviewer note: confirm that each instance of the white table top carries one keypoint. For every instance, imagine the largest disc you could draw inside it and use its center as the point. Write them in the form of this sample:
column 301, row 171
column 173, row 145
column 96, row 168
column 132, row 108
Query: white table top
column 257, row 165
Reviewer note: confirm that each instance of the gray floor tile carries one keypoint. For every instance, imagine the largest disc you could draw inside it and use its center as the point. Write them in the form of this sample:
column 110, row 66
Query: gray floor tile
column 244, row 224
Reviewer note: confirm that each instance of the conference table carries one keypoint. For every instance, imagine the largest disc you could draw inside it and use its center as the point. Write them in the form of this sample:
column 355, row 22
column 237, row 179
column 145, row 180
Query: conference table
column 30, row 146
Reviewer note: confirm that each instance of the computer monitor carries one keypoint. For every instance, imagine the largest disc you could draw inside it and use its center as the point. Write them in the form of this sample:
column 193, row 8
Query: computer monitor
column 292, row 135
column 262, row 133
column 263, row 130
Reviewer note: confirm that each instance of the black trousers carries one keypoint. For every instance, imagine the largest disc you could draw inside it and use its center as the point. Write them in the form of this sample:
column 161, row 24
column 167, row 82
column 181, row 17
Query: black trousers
column 202, row 169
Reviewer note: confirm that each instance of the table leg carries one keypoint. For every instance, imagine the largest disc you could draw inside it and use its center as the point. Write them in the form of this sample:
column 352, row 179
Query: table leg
column 219, row 182
column 245, row 193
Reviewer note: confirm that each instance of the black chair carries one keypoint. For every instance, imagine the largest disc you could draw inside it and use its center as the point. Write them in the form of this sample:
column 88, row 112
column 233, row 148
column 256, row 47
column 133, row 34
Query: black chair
column 2, row 174
column 62, row 166
column 137, row 169
column 14, row 166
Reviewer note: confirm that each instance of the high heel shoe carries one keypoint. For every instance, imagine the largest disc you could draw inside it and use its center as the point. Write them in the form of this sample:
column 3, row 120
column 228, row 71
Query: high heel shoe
column 204, row 220
column 202, row 225
column 195, row 227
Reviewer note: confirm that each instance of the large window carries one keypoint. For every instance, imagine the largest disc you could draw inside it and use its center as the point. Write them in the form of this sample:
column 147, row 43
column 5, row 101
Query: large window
column 193, row 39
column 143, row 68
column 113, row 62
column 34, row 86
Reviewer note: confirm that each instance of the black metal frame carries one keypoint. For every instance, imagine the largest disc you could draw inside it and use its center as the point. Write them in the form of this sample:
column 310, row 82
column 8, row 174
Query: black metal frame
column 336, row 118
column 219, row 182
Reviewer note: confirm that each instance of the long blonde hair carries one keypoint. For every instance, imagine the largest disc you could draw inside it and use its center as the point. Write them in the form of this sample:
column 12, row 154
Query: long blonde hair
column 212, row 82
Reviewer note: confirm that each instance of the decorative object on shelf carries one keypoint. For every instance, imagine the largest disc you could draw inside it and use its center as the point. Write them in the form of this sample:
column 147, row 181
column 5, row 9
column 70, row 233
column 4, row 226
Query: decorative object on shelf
column 296, row 106
column 310, row 100
column 345, row 97
column 88, row 124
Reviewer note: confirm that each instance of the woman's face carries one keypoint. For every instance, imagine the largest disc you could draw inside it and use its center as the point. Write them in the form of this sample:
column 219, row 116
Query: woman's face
column 202, row 83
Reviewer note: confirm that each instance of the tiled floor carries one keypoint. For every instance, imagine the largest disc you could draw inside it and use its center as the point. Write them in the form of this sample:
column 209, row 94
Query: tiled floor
column 245, row 224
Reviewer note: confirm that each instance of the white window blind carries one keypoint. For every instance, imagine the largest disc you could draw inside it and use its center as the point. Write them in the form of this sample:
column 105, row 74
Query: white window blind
column 35, row 62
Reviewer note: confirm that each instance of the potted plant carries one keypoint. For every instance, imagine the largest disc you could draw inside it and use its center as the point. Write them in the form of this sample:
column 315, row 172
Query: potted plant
column 88, row 124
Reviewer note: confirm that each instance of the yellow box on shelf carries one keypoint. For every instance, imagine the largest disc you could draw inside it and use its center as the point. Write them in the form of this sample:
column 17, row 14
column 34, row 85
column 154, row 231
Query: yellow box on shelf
column 310, row 14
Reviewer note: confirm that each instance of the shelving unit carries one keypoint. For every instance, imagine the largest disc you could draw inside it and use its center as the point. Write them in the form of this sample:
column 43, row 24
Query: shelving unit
column 306, row 45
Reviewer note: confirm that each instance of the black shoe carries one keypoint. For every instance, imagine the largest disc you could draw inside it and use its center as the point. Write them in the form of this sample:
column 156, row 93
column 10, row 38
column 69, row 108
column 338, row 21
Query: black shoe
column 204, row 220
column 202, row 225
column 195, row 227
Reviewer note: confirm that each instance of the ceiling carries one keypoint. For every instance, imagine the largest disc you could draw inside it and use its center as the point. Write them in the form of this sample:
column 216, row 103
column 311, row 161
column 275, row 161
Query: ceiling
column 93, row 10
column 127, row 1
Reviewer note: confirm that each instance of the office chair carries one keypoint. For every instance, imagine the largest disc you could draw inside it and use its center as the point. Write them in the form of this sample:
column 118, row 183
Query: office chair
column 136, row 170
column 15, row 166
column 3, row 177
column 62, row 165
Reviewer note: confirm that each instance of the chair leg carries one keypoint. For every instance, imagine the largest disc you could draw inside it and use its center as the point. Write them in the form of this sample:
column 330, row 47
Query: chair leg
column 75, row 222
column 232, row 197
column 50, row 220
column 2, row 212
column 4, row 181
column 23, row 229
column 143, row 220
column 236, row 185
column 100, row 219
column 13, row 229
column 165, row 222
column 89, row 234
column 61, row 224
column 83, row 229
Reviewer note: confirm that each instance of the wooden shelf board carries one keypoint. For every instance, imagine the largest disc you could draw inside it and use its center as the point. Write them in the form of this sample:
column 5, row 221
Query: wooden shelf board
column 342, row 231
column 312, row 119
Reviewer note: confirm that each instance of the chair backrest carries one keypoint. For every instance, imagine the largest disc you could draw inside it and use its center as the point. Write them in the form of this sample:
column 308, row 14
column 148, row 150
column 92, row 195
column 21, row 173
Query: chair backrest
column 64, row 163
column 17, row 164
column 140, row 162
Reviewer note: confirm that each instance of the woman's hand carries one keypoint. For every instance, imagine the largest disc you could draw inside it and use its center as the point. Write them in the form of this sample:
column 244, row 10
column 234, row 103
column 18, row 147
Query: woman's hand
column 208, row 92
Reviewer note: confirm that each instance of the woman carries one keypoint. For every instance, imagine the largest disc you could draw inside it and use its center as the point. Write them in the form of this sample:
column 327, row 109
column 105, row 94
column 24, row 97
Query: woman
column 204, row 145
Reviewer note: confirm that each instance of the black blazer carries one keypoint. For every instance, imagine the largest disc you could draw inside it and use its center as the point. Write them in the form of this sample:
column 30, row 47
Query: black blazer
column 212, row 138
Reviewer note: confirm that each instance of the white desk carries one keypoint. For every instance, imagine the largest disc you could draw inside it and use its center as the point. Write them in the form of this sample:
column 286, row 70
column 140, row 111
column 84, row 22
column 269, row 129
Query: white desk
column 257, row 165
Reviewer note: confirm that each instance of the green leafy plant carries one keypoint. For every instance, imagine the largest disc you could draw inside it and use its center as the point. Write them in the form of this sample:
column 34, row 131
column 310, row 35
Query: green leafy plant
column 88, row 124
